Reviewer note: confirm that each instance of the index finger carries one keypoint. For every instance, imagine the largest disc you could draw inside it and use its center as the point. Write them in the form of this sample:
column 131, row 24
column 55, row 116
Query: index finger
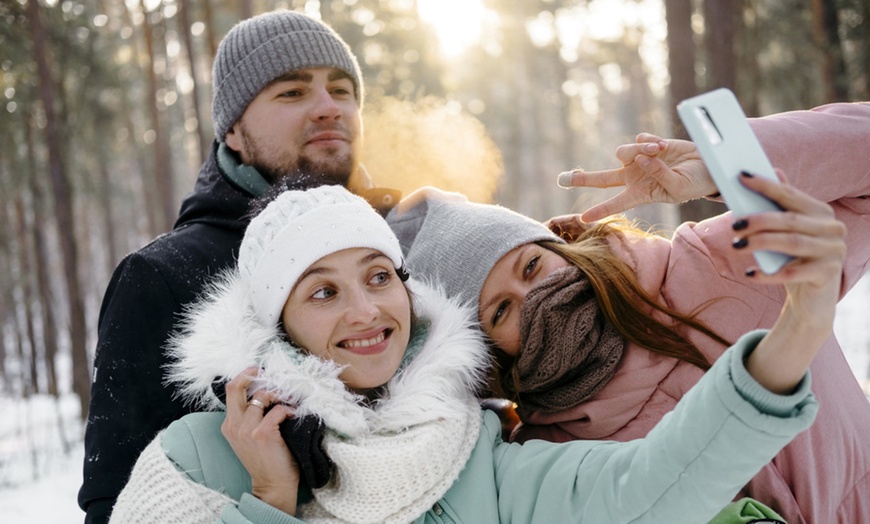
column 784, row 195
column 611, row 206
column 599, row 179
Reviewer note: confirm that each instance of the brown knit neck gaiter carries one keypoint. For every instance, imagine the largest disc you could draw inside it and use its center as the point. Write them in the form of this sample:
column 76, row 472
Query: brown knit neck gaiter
column 569, row 348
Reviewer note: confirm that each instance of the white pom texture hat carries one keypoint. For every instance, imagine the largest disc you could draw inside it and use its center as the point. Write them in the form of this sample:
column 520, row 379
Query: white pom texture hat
column 299, row 228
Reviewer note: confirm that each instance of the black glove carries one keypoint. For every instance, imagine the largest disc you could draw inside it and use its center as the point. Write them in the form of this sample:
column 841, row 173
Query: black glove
column 304, row 439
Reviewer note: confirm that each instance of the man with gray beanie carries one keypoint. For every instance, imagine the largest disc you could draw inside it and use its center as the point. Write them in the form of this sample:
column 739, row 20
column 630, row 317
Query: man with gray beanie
column 287, row 98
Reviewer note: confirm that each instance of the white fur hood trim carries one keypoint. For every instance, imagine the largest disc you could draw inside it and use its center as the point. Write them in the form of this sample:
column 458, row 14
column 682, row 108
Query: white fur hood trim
column 216, row 341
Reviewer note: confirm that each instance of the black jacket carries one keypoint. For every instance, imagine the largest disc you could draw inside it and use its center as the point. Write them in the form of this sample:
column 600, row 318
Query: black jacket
column 149, row 288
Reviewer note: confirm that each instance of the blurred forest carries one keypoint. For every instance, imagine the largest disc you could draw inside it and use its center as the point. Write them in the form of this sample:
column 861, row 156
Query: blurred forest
column 105, row 117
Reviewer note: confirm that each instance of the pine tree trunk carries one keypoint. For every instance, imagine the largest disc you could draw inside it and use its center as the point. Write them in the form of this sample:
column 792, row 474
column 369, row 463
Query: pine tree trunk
column 63, row 212
column 751, row 75
column 25, row 283
column 162, row 166
column 865, row 49
column 827, row 37
column 719, row 30
column 681, row 65
column 681, row 58
column 40, row 250
column 184, row 20
column 211, row 35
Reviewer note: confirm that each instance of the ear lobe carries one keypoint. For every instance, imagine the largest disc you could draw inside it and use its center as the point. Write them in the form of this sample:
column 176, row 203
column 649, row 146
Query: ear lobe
column 233, row 140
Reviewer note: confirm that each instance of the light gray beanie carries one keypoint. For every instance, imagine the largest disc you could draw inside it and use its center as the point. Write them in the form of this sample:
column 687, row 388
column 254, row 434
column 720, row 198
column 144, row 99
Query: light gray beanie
column 258, row 50
column 455, row 243
column 296, row 230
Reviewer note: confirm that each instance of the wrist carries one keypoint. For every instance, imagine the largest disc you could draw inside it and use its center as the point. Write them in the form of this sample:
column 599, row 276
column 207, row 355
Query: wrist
column 281, row 499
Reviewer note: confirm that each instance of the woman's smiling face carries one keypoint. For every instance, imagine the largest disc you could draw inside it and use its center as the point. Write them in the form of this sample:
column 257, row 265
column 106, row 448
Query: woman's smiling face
column 505, row 289
column 351, row 307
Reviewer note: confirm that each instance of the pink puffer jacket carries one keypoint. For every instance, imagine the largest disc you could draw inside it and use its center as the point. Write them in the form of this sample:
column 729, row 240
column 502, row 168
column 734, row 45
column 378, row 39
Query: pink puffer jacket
column 823, row 476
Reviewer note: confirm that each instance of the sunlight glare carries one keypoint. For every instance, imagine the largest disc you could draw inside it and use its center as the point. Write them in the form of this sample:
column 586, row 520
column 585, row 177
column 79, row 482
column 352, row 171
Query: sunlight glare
column 457, row 23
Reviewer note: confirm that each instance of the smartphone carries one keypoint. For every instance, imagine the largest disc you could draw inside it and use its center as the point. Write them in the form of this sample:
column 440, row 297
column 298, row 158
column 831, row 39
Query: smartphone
column 718, row 127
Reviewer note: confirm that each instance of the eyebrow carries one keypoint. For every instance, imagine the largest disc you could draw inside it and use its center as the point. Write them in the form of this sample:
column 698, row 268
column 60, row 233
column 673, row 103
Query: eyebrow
column 305, row 76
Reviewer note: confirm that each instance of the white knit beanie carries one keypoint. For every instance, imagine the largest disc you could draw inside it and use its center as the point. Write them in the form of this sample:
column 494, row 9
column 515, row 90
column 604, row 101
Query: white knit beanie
column 455, row 243
column 299, row 228
column 258, row 50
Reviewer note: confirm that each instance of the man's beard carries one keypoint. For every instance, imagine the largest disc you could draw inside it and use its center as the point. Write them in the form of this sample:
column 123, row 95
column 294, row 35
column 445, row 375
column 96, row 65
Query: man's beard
column 306, row 173
column 303, row 172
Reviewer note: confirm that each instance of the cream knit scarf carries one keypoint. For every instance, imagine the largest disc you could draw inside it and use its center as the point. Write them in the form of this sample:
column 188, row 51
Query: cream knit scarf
column 400, row 466
column 395, row 476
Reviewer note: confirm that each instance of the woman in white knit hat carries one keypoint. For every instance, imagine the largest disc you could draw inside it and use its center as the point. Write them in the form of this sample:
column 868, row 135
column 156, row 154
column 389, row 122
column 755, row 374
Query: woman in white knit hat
column 600, row 338
column 351, row 398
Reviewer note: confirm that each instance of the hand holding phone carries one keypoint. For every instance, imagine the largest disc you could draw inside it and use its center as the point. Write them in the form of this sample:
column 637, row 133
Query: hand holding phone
column 718, row 126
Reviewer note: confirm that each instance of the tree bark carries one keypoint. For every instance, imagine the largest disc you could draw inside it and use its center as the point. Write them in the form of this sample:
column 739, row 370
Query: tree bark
column 246, row 9
column 833, row 64
column 681, row 58
column 681, row 65
column 211, row 35
column 719, row 29
column 751, row 74
column 7, row 302
column 26, row 285
column 184, row 20
column 63, row 212
column 162, row 164
column 865, row 49
column 40, row 250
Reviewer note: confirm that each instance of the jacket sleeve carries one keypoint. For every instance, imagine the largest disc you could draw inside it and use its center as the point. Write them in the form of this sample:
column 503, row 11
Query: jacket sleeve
column 195, row 446
column 688, row 467
column 128, row 404
column 823, row 152
column 160, row 491
column 253, row 510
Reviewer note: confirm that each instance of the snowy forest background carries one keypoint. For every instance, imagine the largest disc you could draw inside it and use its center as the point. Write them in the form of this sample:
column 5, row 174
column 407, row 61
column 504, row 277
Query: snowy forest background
column 105, row 118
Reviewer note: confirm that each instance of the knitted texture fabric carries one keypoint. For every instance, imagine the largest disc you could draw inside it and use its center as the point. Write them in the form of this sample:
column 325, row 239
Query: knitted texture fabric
column 296, row 230
column 394, row 477
column 455, row 243
column 158, row 492
column 258, row 50
column 570, row 348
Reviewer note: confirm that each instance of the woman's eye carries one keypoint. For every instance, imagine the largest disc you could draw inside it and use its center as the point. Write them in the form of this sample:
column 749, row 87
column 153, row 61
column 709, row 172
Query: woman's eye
column 499, row 313
column 323, row 294
column 530, row 267
column 380, row 278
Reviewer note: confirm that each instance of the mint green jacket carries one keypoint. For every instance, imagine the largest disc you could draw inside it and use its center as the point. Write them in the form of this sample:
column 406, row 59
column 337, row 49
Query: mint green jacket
column 686, row 470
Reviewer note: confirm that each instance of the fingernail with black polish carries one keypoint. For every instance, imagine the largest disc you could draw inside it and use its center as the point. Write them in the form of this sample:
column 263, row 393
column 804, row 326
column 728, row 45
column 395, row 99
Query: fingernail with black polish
column 740, row 243
column 747, row 174
column 740, row 224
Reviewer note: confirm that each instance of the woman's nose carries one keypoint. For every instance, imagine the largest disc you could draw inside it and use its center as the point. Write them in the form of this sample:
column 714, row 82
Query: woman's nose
column 361, row 308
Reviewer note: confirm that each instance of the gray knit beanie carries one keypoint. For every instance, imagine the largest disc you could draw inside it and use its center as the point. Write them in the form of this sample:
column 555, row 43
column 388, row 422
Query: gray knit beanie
column 455, row 243
column 258, row 50
column 296, row 230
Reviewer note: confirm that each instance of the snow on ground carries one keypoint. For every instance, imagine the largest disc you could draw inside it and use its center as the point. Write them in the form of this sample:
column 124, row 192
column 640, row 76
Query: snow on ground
column 852, row 326
column 48, row 496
